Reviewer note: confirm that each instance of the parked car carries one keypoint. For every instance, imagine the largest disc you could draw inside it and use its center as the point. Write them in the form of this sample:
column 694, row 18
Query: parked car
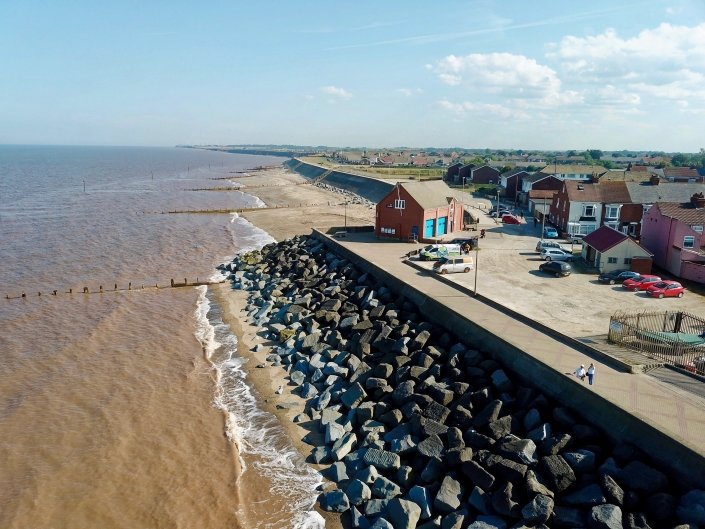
column 640, row 283
column 556, row 268
column 472, row 241
column 617, row 276
column 454, row 264
column 550, row 232
column 510, row 219
column 540, row 245
column 501, row 213
column 433, row 252
column 666, row 289
column 555, row 254
column 576, row 238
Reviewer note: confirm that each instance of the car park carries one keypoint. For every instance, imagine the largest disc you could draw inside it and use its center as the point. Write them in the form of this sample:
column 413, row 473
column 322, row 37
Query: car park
column 555, row 254
column 556, row 268
column 666, row 289
column 510, row 219
column 550, row 233
column 617, row 276
column 640, row 283
column 540, row 245
column 454, row 264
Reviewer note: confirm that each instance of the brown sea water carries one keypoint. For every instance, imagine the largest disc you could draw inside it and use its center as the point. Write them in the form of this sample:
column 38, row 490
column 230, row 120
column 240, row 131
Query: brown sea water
column 129, row 408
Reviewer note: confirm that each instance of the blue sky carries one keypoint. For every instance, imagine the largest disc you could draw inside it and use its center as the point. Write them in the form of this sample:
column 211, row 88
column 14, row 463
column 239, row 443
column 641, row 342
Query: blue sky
column 478, row 74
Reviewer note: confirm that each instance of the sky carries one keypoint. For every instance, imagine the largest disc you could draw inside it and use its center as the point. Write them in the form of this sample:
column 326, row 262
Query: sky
column 510, row 74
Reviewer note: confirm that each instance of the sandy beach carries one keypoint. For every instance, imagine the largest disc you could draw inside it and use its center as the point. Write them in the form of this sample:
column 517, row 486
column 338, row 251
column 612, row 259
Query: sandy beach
column 310, row 207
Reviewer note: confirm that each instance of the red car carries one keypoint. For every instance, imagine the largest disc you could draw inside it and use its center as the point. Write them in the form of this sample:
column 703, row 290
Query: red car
column 640, row 283
column 666, row 289
column 510, row 219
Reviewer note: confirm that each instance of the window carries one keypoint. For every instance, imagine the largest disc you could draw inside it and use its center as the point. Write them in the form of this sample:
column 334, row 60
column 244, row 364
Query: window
column 688, row 241
column 399, row 204
column 698, row 229
column 589, row 211
column 612, row 260
column 612, row 212
column 627, row 260
column 647, row 207
column 388, row 231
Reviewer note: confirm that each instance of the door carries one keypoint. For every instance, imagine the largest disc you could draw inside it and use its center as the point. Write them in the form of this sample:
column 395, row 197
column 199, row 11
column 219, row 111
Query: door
column 414, row 233
column 442, row 225
column 428, row 228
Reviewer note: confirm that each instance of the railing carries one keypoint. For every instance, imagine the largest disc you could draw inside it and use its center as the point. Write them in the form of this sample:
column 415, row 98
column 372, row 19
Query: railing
column 676, row 338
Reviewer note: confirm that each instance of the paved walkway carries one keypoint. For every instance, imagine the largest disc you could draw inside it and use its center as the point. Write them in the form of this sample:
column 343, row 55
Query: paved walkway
column 658, row 401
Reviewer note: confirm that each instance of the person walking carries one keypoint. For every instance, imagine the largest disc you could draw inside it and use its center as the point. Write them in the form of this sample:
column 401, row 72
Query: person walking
column 590, row 373
column 580, row 372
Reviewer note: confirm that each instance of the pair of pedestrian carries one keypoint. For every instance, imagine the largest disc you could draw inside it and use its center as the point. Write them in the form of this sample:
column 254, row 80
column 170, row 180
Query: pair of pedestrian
column 581, row 372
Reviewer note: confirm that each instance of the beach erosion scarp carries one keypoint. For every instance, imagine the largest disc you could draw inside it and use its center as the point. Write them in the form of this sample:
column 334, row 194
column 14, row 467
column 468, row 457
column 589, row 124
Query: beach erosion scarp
column 413, row 428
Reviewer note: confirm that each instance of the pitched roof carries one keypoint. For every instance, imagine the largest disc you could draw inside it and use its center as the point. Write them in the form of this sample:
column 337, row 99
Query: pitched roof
column 623, row 176
column 537, row 176
column 615, row 192
column 516, row 170
column 429, row 194
column 604, row 238
column 572, row 169
column 542, row 193
column 684, row 212
column 646, row 193
column 680, row 172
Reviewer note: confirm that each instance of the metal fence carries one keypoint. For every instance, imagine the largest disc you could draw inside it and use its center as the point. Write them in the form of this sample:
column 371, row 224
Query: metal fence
column 676, row 338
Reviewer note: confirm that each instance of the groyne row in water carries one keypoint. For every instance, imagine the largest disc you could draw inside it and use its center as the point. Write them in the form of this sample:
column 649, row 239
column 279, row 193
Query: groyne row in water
column 115, row 288
column 422, row 427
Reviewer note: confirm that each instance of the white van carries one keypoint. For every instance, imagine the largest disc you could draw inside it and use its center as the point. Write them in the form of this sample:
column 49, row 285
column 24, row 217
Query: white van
column 454, row 264
column 433, row 252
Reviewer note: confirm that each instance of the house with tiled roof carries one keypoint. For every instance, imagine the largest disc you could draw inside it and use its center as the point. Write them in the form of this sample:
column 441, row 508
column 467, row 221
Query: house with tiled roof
column 643, row 195
column 484, row 174
column 579, row 208
column 452, row 172
column 608, row 249
column 673, row 232
column 682, row 174
column 538, row 181
column 419, row 211
column 573, row 172
column 511, row 182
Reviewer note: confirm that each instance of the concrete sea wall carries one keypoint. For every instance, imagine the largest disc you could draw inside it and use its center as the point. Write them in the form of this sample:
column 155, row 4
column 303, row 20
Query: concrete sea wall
column 369, row 188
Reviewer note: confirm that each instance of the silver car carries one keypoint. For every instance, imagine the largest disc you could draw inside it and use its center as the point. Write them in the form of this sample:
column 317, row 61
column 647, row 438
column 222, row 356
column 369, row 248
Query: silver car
column 556, row 254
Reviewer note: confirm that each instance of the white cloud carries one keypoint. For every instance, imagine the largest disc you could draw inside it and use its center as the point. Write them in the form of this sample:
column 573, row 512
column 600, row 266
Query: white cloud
column 336, row 91
column 483, row 110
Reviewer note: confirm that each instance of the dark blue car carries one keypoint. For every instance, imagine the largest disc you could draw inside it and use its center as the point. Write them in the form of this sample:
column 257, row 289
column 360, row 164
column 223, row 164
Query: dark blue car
column 616, row 276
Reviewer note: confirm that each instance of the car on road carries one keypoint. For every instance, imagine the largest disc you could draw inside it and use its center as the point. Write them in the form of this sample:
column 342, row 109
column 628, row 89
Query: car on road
column 640, row 283
column 617, row 276
column 550, row 233
column 666, row 289
column 556, row 254
column 501, row 213
column 510, row 219
column 540, row 245
column 556, row 268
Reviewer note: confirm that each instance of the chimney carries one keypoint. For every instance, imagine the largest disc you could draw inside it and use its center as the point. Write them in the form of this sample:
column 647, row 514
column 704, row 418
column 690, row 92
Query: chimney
column 595, row 179
column 654, row 180
column 698, row 200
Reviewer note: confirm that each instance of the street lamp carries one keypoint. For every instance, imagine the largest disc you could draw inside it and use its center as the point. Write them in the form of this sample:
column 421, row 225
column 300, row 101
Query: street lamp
column 477, row 249
column 346, row 215
column 463, row 184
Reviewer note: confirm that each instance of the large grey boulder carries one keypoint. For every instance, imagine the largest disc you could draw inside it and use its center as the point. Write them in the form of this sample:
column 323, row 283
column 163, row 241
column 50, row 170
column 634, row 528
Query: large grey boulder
column 381, row 523
column 519, row 450
column 353, row 396
column 382, row 459
column 488, row 522
column 431, row 447
column 449, row 496
column 557, row 473
column 691, row 508
column 639, row 477
column 581, row 461
column 538, row 510
column 403, row 514
column 613, row 492
column 605, row 516
column 420, row 496
column 585, row 497
column 335, row 501
column 358, row 492
column 343, row 446
column 385, row 488
column 478, row 475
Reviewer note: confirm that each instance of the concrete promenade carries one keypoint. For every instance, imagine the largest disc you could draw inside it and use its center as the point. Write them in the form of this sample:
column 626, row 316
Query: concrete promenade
column 676, row 414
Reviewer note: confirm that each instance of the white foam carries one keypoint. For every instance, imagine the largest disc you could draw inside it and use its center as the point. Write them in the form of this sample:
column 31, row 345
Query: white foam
column 261, row 442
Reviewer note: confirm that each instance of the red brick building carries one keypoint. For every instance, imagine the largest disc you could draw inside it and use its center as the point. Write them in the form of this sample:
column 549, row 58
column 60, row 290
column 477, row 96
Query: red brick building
column 418, row 211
